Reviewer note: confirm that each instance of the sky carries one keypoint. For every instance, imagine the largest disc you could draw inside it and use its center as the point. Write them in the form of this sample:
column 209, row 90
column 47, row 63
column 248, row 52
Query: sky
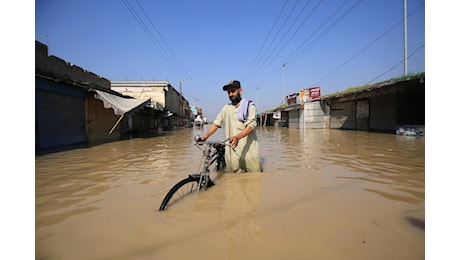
column 273, row 47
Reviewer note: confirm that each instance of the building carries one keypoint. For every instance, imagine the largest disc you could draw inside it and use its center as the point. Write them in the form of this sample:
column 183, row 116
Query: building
column 77, row 107
column 168, row 108
column 386, row 106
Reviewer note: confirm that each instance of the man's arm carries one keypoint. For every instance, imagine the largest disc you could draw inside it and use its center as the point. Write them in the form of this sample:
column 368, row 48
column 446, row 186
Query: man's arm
column 210, row 132
column 251, row 124
column 234, row 139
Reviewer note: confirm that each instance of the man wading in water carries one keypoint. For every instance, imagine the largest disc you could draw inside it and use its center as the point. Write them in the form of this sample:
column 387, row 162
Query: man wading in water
column 239, row 121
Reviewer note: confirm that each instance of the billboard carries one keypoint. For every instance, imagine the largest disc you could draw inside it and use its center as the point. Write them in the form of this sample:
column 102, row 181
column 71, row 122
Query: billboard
column 292, row 99
column 314, row 93
column 304, row 96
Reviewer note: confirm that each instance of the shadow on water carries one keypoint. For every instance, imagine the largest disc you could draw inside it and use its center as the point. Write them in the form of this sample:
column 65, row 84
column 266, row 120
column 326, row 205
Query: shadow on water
column 416, row 222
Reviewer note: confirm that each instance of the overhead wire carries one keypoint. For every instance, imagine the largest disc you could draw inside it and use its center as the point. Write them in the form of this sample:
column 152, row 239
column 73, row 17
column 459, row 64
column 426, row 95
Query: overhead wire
column 323, row 33
column 396, row 65
column 172, row 62
column 279, row 30
column 266, row 63
column 180, row 66
column 368, row 45
column 302, row 48
column 256, row 58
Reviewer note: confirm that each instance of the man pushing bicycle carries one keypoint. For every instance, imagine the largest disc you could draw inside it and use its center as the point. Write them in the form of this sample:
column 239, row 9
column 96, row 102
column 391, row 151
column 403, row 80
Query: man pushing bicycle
column 239, row 121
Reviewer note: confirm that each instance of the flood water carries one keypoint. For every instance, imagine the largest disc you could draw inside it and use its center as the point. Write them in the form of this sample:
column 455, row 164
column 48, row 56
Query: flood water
column 324, row 194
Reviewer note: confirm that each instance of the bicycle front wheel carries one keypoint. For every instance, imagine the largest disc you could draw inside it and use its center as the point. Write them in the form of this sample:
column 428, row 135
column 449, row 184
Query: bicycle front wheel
column 185, row 187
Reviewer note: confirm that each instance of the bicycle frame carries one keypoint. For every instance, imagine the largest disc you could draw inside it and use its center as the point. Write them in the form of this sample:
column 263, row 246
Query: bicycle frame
column 214, row 150
column 212, row 153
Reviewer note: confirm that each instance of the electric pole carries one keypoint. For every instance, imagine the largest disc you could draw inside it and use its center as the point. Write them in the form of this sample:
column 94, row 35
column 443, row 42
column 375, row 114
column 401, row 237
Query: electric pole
column 405, row 37
column 181, row 112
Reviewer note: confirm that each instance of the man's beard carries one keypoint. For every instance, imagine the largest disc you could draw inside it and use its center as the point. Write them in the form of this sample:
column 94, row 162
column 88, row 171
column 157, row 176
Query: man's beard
column 235, row 99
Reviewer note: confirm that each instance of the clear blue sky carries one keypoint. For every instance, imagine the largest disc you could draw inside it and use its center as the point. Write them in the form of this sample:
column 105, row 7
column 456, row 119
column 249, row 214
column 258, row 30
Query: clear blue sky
column 334, row 44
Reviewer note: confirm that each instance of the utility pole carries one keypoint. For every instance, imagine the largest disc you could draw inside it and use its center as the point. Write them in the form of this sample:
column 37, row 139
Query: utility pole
column 405, row 37
column 181, row 112
column 257, row 97
column 284, row 65
column 180, row 102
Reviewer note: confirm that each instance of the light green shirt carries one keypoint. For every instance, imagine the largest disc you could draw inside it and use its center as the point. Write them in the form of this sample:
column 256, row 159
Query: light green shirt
column 246, row 157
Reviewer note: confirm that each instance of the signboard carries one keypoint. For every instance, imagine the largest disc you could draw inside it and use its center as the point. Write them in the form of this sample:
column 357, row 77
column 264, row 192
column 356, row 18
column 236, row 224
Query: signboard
column 292, row 99
column 277, row 115
column 304, row 96
column 314, row 93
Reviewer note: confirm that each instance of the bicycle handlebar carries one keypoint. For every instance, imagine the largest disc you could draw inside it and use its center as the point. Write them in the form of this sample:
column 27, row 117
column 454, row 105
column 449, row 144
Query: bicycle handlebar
column 200, row 142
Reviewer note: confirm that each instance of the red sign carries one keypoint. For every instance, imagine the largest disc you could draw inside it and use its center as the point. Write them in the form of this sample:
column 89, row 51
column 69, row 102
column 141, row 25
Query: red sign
column 314, row 93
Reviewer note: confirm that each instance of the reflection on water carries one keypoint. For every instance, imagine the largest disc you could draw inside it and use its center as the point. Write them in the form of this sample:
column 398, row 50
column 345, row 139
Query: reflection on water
column 325, row 194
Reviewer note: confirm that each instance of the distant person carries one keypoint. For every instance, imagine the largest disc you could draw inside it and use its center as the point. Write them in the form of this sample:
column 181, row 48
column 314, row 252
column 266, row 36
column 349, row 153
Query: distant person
column 239, row 121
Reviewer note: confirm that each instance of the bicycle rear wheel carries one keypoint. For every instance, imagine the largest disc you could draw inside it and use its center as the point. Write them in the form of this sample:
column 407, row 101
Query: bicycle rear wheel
column 220, row 165
column 185, row 187
column 220, row 158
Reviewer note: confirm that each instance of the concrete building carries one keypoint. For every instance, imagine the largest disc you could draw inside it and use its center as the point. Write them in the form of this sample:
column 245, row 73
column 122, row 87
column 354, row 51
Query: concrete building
column 382, row 107
column 76, row 107
column 169, row 109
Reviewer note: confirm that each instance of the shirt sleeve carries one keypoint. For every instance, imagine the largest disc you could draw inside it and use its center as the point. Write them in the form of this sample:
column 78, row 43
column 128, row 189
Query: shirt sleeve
column 252, row 120
column 220, row 117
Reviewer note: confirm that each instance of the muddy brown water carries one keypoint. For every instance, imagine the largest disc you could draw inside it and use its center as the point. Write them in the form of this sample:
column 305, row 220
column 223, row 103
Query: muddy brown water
column 324, row 194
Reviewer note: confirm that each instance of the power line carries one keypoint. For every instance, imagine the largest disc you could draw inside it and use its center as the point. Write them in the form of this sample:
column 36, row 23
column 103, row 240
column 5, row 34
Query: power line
column 164, row 42
column 396, row 65
column 367, row 46
column 279, row 30
column 302, row 48
column 251, row 68
column 267, row 64
column 173, row 63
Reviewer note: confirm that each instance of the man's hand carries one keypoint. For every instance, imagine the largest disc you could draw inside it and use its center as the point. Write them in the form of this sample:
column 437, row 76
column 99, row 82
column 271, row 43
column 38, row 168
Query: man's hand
column 200, row 139
column 234, row 141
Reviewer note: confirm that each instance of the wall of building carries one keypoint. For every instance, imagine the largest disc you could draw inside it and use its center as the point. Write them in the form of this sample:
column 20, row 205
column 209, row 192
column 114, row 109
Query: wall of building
column 170, row 109
column 66, row 113
column 59, row 114
column 294, row 118
column 100, row 121
column 155, row 93
column 342, row 115
column 362, row 115
column 314, row 115
column 52, row 65
column 383, row 111
column 381, row 107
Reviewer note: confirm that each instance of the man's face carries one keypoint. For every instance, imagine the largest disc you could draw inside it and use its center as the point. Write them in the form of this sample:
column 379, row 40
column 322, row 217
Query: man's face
column 234, row 94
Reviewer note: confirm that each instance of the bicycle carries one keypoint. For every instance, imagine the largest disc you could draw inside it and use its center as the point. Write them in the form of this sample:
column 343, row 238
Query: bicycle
column 213, row 153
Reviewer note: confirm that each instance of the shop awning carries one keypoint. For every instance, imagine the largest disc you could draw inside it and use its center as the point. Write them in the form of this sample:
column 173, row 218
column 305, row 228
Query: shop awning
column 121, row 105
